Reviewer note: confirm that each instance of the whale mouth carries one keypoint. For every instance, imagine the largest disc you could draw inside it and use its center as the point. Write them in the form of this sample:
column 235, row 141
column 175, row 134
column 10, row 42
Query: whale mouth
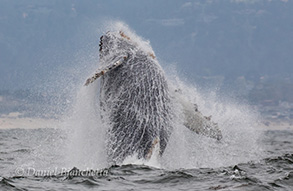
column 108, row 40
column 101, row 43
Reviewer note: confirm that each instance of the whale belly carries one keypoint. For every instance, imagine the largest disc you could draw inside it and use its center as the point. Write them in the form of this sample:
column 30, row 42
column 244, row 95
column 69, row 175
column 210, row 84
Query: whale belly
column 135, row 102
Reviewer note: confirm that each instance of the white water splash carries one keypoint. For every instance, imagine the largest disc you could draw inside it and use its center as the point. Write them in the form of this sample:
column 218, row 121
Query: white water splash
column 237, row 122
column 86, row 135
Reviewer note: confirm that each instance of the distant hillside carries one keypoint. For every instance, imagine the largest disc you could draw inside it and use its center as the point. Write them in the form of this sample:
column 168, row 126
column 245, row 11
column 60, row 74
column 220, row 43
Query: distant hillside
column 230, row 38
column 272, row 92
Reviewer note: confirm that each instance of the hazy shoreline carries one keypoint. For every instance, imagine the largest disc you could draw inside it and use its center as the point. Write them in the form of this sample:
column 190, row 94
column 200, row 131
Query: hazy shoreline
column 15, row 121
column 276, row 126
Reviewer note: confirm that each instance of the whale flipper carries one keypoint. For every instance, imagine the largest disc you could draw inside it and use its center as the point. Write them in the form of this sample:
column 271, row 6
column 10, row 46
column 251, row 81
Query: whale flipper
column 101, row 71
column 196, row 121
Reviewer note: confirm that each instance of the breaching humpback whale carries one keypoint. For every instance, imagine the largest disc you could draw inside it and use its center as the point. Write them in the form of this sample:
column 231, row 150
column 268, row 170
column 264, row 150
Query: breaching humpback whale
column 135, row 100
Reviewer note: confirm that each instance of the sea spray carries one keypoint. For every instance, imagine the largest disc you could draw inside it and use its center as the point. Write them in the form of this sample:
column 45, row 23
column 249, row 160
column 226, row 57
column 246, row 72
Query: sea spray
column 238, row 123
column 185, row 149
column 86, row 132
column 82, row 137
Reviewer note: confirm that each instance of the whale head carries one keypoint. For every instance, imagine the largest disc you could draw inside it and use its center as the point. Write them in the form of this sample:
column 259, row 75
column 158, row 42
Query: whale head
column 116, row 44
column 113, row 44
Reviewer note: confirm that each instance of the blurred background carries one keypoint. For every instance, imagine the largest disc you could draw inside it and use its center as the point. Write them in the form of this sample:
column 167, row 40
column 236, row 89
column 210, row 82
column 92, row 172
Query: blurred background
column 243, row 47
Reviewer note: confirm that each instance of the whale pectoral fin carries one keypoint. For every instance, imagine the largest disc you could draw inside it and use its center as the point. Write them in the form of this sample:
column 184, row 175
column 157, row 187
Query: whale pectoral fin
column 155, row 142
column 104, row 70
column 202, row 125
column 195, row 120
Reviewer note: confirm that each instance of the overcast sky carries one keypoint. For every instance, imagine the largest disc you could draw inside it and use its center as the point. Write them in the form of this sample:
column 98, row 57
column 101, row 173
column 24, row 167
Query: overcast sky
column 43, row 40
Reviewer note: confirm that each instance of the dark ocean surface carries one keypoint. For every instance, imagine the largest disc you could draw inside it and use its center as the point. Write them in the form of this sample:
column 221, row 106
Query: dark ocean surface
column 29, row 161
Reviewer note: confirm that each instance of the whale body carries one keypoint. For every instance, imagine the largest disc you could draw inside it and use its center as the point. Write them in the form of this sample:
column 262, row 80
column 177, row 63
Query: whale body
column 135, row 100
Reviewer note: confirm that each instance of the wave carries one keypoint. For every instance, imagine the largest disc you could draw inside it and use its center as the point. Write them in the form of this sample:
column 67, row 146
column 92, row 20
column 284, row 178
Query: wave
column 269, row 174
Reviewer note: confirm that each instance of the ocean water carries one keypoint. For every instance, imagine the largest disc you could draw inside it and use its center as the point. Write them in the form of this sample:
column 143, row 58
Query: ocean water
column 32, row 160
column 70, row 154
